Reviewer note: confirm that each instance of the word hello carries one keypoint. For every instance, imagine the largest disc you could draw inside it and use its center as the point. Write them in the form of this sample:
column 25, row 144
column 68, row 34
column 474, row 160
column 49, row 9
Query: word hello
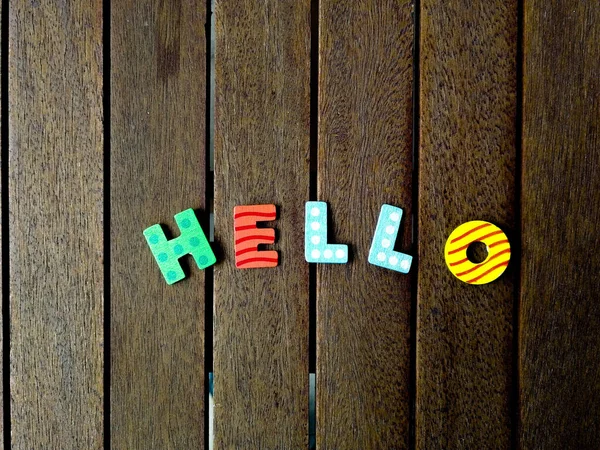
column 248, row 237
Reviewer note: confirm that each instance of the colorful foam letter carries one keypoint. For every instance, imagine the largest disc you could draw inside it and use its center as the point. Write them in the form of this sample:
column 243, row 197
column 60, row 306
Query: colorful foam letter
column 382, row 252
column 191, row 241
column 248, row 236
column 316, row 248
column 488, row 270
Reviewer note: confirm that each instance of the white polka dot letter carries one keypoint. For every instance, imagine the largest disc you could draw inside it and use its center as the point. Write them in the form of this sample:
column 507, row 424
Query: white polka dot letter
column 382, row 252
column 316, row 248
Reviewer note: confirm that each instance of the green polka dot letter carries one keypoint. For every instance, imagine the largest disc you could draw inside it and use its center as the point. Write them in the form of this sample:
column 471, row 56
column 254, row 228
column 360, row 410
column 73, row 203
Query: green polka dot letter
column 192, row 241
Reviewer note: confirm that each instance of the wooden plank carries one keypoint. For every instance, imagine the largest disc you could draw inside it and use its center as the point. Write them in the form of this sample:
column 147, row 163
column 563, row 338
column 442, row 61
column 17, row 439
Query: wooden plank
column 364, row 160
column 261, row 157
column 55, row 226
column 559, row 355
column 158, row 79
column 468, row 77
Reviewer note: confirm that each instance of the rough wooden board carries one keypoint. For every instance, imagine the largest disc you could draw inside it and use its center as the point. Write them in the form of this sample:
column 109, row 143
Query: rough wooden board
column 158, row 65
column 261, row 156
column 364, row 160
column 56, row 245
column 560, row 313
column 468, row 68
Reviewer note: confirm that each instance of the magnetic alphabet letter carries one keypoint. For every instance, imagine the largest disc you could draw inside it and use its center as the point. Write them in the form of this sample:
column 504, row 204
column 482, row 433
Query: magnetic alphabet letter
column 248, row 236
column 316, row 248
column 497, row 246
column 191, row 241
column 382, row 252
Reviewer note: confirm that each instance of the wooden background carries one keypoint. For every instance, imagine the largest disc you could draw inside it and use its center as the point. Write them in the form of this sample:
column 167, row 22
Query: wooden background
column 452, row 111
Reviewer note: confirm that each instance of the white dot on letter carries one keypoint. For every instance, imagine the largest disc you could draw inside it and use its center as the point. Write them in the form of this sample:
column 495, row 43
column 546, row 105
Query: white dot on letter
column 316, row 254
column 389, row 229
column 405, row 264
column 385, row 243
column 315, row 240
column 315, row 211
column 393, row 260
column 340, row 253
column 394, row 217
column 315, row 225
column 327, row 253
column 381, row 256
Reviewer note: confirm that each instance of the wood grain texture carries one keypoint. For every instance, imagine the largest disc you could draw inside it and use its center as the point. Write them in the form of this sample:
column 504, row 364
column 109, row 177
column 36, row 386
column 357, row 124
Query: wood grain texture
column 55, row 203
column 261, row 157
column 158, row 79
column 467, row 161
column 364, row 160
column 559, row 312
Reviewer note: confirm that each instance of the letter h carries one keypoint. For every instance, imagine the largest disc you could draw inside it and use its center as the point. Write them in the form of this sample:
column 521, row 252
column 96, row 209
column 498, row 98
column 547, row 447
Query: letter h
column 191, row 241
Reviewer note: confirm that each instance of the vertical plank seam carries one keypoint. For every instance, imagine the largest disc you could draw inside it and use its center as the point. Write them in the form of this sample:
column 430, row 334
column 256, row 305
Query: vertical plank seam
column 208, row 210
column 412, row 402
column 313, row 189
column 5, row 235
column 517, row 238
column 106, row 81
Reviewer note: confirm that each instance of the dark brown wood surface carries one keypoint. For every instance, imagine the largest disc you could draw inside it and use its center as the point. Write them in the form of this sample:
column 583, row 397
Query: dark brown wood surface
column 55, row 230
column 559, row 356
column 467, row 163
column 364, row 160
column 474, row 382
column 261, row 157
column 158, row 79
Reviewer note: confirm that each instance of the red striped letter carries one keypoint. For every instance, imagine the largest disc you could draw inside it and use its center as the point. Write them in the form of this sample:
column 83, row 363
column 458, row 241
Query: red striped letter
column 248, row 236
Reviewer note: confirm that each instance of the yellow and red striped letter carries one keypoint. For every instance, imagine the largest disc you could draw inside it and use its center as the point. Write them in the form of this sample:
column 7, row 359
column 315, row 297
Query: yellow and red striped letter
column 497, row 246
